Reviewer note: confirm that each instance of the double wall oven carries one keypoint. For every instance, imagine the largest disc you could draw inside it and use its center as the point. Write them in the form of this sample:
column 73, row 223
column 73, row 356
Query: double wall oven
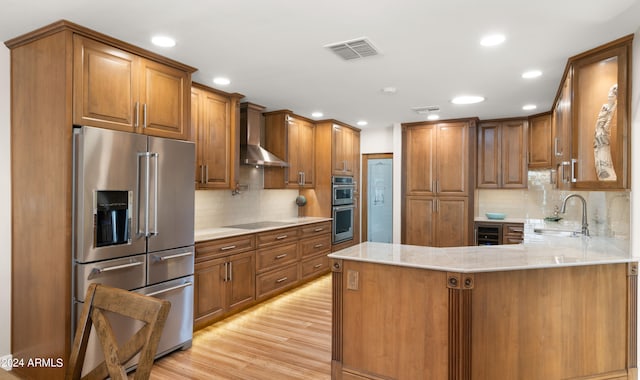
column 343, row 191
column 133, row 227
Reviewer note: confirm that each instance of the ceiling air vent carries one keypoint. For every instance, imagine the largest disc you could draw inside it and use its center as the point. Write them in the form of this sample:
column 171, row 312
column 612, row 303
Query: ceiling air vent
column 353, row 49
column 425, row 110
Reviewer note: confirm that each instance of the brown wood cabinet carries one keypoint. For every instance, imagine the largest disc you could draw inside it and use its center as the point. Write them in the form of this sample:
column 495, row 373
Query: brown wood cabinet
column 437, row 198
column 502, row 154
column 346, row 144
column 540, row 142
column 117, row 89
column 580, row 126
column 517, row 324
column 292, row 138
column 234, row 273
column 214, row 124
column 46, row 100
column 224, row 278
column 496, row 233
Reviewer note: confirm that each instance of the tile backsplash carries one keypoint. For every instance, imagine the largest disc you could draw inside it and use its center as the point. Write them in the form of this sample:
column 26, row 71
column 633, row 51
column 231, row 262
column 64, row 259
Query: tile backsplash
column 217, row 208
column 608, row 211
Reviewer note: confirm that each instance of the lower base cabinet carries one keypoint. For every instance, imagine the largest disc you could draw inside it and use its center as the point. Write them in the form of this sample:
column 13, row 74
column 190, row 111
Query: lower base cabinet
column 232, row 274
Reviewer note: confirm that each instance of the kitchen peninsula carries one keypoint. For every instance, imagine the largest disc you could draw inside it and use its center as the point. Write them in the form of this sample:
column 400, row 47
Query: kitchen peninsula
column 551, row 308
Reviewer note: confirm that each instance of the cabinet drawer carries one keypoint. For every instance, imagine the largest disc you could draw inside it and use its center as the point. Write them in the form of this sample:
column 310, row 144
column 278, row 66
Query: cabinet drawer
column 224, row 247
column 315, row 229
column 316, row 245
column 280, row 236
column 513, row 229
column 273, row 281
column 315, row 265
column 275, row 257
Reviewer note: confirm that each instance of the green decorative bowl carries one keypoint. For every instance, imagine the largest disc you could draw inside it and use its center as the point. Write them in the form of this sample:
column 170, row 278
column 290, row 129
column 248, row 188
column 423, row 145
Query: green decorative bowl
column 495, row 215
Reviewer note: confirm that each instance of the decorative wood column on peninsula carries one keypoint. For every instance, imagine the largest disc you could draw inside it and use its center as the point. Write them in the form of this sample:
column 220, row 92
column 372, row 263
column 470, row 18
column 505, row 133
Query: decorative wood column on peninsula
column 401, row 322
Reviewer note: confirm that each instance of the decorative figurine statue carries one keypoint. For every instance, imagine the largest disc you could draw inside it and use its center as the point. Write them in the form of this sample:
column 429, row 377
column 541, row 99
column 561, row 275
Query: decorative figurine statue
column 602, row 138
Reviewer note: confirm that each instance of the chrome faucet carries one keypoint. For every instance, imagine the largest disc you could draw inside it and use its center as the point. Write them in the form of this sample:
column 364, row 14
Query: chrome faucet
column 563, row 209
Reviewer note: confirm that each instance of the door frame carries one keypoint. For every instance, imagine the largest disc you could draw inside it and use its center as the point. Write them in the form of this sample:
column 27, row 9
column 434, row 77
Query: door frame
column 365, row 184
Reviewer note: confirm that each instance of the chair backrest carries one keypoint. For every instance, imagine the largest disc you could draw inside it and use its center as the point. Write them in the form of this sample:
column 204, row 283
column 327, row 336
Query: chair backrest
column 100, row 298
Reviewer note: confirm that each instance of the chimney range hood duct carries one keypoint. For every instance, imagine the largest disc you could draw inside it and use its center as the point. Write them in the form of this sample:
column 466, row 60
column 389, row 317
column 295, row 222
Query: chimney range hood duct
column 251, row 153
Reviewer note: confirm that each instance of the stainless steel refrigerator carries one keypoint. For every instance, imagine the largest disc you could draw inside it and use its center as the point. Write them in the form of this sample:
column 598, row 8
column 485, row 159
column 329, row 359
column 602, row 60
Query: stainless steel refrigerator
column 133, row 224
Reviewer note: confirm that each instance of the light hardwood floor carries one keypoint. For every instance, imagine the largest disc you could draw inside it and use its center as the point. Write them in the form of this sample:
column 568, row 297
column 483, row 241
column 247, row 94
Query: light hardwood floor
column 287, row 337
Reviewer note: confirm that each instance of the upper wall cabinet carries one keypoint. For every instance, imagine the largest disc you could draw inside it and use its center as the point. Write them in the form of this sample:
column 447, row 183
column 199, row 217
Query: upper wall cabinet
column 344, row 154
column 214, row 124
column 596, row 92
column 540, row 142
column 502, row 154
column 291, row 138
column 115, row 89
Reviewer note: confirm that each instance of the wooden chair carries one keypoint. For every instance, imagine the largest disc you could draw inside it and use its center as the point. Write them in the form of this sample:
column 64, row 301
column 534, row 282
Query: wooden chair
column 102, row 298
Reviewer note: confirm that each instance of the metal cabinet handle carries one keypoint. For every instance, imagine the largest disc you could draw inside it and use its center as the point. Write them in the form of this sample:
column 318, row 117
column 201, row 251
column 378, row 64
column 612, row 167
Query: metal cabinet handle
column 144, row 115
column 283, row 279
column 230, row 271
column 206, row 173
column 136, row 115
column 282, row 256
column 318, row 229
column 202, row 174
column 573, row 170
column 96, row 271
column 281, row 237
column 176, row 256
column 227, row 247
column 318, row 246
column 317, row 266
column 556, row 143
column 186, row 284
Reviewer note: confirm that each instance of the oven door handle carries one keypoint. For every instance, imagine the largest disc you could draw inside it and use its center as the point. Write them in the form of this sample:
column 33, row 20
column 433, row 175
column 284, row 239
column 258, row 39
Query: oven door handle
column 186, row 284
column 342, row 208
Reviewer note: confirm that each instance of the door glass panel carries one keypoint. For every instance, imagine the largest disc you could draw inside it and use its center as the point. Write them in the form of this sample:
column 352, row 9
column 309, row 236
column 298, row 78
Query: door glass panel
column 380, row 200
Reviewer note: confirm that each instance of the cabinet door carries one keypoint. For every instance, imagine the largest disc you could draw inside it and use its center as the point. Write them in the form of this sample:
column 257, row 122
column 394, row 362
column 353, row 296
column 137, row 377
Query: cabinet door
column 209, row 295
column 164, row 93
column 105, row 88
column 419, row 223
column 452, row 221
column 196, row 129
column 600, row 147
column 306, row 151
column 513, row 145
column 452, row 159
column 342, row 150
column 294, row 171
column 489, row 155
column 214, row 138
column 241, row 289
column 540, row 142
column 419, row 159
column 561, row 126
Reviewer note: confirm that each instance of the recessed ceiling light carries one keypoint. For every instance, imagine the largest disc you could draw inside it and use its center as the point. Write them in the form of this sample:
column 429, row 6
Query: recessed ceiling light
column 531, row 74
column 317, row 114
column 362, row 123
column 433, row 116
column 221, row 81
column 467, row 99
column 389, row 90
column 492, row 40
column 529, row 107
column 163, row 41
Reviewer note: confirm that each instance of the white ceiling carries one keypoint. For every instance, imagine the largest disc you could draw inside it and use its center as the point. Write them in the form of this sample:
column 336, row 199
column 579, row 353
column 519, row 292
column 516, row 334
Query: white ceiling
column 273, row 51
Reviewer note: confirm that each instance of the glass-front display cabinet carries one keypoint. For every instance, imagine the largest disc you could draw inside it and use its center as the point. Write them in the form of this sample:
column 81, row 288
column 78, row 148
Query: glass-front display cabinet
column 596, row 93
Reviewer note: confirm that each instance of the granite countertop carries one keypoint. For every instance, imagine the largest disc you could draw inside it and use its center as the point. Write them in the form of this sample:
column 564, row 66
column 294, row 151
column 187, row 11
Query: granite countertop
column 537, row 251
column 233, row 230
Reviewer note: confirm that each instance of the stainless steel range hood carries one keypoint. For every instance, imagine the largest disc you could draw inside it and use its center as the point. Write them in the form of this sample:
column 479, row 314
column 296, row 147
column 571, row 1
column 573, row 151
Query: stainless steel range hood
column 251, row 153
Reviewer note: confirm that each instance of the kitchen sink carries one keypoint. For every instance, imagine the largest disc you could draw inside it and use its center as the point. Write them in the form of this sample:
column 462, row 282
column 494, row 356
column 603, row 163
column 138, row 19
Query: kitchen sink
column 557, row 232
column 258, row 225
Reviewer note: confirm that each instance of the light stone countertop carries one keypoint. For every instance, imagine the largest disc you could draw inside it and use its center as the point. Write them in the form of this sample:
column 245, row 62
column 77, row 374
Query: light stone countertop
column 223, row 232
column 536, row 252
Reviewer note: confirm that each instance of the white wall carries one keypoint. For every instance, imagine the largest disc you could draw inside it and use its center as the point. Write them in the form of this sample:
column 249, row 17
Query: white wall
column 5, row 207
column 376, row 140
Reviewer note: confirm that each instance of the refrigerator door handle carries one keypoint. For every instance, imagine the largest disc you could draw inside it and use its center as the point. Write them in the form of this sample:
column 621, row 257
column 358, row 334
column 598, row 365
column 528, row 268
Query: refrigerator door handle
column 156, row 158
column 143, row 188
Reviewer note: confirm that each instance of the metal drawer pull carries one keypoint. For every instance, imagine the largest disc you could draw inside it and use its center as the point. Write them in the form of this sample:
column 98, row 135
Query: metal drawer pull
column 281, row 237
column 317, row 266
column 176, row 256
column 318, row 245
column 169, row 289
column 282, row 256
column 319, row 229
column 283, row 279
column 95, row 271
column 227, row 247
